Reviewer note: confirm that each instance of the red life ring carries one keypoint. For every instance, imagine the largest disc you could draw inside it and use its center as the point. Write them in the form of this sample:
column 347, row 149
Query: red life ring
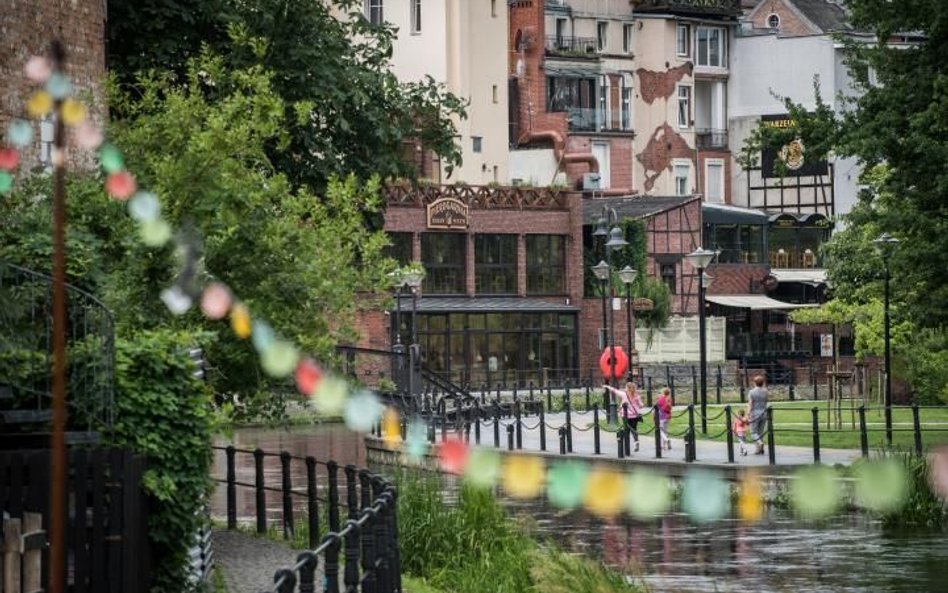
column 621, row 363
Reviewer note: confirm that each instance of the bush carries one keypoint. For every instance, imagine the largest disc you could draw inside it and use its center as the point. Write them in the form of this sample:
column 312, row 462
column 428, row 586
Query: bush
column 922, row 509
column 164, row 413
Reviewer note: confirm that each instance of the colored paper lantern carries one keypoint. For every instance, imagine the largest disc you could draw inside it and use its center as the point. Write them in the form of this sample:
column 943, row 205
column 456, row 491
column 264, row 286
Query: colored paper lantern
column 483, row 467
column 566, row 484
column 9, row 159
column 215, row 300
column 39, row 104
column 58, row 86
column 452, row 456
column 73, row 112
column 110, row 158
column 144, row 206
column 524, row 476
column 120, row 185
column 363, row 411
column 19, row 133
column 279, row 360
column 240, row 320
column 155, row 233
column 307, row 376
column 38, row 69
column 88, row 135
column 605, row 493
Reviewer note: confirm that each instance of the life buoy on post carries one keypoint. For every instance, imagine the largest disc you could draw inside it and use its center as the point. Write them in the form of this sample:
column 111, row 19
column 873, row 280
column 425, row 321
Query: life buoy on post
column 621, row 363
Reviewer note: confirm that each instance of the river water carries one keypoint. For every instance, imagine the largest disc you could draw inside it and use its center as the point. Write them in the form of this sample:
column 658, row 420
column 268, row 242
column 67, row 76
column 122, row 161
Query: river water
column 846, row 554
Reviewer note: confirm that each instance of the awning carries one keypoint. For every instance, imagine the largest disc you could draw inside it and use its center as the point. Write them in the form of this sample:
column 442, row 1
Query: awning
column 813, row 277
column 489, row 305
column 754, row 302
column 726, row 214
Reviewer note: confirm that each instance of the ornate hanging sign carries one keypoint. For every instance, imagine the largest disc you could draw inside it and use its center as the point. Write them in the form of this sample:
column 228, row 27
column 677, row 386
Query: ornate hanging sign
column 447, row 213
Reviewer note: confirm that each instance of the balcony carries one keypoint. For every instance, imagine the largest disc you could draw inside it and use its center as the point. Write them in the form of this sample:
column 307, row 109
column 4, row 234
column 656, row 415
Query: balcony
column 577, row 47
column 588, row 119
column 769, row 345
column 709, row 139
column 692, row 7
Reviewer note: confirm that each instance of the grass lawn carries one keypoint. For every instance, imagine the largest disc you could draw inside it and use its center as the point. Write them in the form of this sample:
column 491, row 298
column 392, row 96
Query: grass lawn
column 794, row 425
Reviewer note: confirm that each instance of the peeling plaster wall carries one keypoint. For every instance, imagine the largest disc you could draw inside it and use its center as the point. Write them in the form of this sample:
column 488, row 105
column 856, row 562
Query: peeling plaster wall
column 658, row 138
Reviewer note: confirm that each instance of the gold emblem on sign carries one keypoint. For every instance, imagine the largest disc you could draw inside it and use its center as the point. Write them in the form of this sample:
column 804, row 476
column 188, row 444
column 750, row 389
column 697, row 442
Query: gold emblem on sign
column 792, row 154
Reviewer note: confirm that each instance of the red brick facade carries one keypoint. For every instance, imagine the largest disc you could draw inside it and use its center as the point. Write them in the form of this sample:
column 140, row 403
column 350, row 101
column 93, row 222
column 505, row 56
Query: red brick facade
column 28, row 26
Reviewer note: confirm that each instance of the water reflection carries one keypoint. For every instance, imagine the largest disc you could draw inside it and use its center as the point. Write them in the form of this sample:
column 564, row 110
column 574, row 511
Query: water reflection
column 847, row 554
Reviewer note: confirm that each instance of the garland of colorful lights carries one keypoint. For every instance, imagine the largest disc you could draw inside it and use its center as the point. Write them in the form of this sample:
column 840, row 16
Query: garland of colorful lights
column 569, row 484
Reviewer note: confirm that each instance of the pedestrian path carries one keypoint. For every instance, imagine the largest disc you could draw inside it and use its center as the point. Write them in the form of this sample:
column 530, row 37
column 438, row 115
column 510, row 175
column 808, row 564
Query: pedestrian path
column 248, row 562
column 710, row 453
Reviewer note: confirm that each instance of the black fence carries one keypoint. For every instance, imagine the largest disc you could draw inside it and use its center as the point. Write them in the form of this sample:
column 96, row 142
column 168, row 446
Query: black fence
column 107, row 522
column 367, row 539
column 490, row 424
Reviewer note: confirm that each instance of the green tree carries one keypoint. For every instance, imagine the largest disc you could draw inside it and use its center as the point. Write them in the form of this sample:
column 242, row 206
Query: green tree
column 346, row 112
column 294, row 260
column 896, row 125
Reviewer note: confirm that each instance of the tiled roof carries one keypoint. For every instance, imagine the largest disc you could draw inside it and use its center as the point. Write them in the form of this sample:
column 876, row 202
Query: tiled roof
column 826, row 15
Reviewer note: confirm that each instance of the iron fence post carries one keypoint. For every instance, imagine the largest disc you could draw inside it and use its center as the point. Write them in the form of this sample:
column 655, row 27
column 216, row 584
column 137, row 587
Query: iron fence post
column 368, row 554
column 692, row 448
column 620, row 444
column 542, row 428
column 730, row 434
column 287, row 487
column 569, row 425
column 596, row 448
column 260, row 493
column 510, row 437
column 231, row 488
column 771, row 453
column 517, row 411
column 351, row 575
column 694, row 386
column 648, row 391
column 816, row 434
column 658, row 433
column 718, row 383
column 562, row 434
column 628, row 432
column 917, row 429
column 308, row 563
column 863, row 434
column 312, row 503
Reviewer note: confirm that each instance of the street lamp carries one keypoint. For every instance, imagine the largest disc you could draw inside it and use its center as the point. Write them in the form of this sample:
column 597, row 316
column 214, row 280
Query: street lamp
column 886, row 244
column 700, row 259
column 412, row 278
column 603, row 272
column 627, row 275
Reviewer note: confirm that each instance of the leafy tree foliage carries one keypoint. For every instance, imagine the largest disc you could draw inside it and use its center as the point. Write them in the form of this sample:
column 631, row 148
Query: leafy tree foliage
column 897, row 126
column 295, row 260
column 346, row 113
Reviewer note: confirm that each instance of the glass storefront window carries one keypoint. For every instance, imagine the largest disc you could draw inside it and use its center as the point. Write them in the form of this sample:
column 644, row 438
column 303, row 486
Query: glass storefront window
column 400, row 248
column 495, row 264
column 444, row 256
column 546, row 264
column 736, row 243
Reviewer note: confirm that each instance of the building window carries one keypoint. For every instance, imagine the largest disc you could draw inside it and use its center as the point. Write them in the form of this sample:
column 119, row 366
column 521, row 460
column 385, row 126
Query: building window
column 576, row 96
column 603, row 115
column 416, row 16
column 477, row 142
column 714, row 180
column 561, row 34
column 736, row 243
column 683, row 41
column 493, row 8
column 400, row 248
column 602, row 31
column 627, row 38
column 773, row 21
column 373, row 11
column 443, row 256
column 684, row 106
column 626, row 106
column 546, row 264
column 495, row 264
column 495, row 97
column 682, row 187
column 669, row 277
column 711, row 42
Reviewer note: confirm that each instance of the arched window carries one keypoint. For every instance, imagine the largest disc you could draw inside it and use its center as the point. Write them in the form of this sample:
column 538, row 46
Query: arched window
column 773, row 21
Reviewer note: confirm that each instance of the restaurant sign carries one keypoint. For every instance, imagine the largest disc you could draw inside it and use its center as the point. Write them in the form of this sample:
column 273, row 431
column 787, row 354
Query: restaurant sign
column 447, row 213
column 796, row 162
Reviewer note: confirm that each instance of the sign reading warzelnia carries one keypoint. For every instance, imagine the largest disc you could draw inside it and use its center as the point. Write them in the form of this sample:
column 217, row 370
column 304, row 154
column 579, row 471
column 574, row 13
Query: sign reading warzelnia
column 447, row 213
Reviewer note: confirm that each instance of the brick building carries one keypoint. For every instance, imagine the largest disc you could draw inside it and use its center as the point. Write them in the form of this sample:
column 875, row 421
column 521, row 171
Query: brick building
column 27, row 29
column 503, row 293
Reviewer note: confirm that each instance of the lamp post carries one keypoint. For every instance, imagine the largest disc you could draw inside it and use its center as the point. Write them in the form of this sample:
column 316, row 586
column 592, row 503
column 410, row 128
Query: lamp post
column 700, row 258
column 412, row 279
column 603, row 271
column 886, row 244
column 627, row 275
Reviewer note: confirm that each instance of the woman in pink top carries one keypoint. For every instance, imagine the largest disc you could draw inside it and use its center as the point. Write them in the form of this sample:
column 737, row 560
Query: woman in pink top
column 664, row 416
column 632, row 410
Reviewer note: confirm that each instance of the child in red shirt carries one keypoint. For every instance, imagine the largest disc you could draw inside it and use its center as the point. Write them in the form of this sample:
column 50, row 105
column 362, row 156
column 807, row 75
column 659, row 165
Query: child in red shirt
column 739, row 428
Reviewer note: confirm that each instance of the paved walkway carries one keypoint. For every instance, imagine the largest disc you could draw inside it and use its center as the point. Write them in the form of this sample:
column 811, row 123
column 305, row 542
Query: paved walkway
column 248, row 562
column 712, row 453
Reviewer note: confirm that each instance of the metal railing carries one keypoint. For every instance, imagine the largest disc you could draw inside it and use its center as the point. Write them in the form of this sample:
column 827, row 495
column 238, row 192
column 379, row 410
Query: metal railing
column 484, row 423
column 26, row 351
column 559, row 44
column 367, row 539
column 711, row 139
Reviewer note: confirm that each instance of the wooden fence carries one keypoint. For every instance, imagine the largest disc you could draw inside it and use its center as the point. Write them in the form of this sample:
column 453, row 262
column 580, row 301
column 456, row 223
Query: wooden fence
column 106, row 524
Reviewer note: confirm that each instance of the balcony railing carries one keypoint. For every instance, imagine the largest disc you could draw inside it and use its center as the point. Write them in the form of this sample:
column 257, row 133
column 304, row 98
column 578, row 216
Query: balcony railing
column 711, row 139
column 571, row 46
column 715, row 7
column 589, row 119
column 775, row 344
